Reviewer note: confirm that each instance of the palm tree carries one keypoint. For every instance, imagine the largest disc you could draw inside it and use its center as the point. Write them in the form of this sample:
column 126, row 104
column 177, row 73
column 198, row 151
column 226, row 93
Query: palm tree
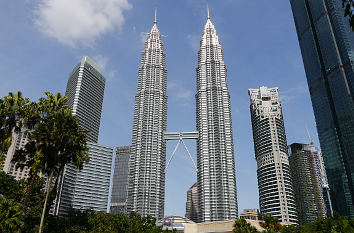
column 12, row 113
column 59, row 140
column 242, row 226
column 10, row 215
column 271, row 223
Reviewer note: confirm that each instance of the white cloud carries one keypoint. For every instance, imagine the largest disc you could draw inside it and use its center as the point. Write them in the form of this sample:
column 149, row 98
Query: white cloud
column 194, row 41
column 184, row 94
column 290, row 95
column 171, row 85
column 79, row 21
column 101, row 61
column 143, row 37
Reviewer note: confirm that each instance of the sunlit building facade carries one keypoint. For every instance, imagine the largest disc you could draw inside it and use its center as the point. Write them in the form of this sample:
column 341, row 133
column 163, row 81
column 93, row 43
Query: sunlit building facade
column 276, row 194
column 146, row 188
column 85, row 91
column 216, row 176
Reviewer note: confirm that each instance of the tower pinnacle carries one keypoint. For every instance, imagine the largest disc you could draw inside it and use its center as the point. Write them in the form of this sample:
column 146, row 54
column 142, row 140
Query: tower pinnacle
column 208, row 11
column 155, row 22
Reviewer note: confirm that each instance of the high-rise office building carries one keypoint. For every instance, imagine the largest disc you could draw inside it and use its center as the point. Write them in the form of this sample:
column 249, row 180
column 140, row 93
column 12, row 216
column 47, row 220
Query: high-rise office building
column 273, row 172
column 146, row 189
column 215, row 148
column 90, row 187
column 306, row 183
column 192, row 203
column 327, row 46
column 120, row 181
column 85, row 90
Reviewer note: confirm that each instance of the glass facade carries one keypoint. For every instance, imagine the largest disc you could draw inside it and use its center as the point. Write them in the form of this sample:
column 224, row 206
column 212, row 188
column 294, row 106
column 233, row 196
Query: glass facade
column 89, row 187
column 85, row 91
column 120, row 181
column 327, row 47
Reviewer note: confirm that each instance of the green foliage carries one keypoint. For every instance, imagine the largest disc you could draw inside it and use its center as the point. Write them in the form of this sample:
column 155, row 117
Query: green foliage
column 11, row 217
column 55, row 139
column 242, row 226
column 348, row 6
column 335, row 224
column 10, row 188
column 90, row 221
column 271, row 223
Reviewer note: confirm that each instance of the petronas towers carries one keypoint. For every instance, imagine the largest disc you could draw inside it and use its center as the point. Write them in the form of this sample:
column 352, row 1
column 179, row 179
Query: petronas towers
column 216, row 183
column 146, row 191
column 215, row 148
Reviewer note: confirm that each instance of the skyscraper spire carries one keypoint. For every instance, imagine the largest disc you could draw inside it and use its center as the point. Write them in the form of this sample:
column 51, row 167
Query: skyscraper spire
column 155, row 21
column 208, row 11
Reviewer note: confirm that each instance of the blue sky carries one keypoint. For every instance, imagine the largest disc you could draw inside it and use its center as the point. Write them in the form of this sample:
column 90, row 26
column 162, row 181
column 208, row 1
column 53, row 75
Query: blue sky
column 41, row 41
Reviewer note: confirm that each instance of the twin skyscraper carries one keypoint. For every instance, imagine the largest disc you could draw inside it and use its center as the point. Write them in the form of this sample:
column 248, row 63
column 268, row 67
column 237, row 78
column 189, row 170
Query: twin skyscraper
column 215, row 149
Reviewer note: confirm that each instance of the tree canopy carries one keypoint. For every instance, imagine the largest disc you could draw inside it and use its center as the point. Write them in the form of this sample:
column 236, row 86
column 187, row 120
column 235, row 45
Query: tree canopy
column 242, row 226
column 348, row 6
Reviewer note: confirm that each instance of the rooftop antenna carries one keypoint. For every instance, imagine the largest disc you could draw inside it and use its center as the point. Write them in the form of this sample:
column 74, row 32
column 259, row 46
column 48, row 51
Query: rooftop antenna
column 308, row 134
column 155, row 22
column 208, row 11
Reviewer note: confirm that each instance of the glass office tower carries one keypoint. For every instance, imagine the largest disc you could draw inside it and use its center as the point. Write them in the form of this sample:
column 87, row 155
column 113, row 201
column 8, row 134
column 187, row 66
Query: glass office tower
column 327, row 47
column 120, row 181
column 89, row 187
column 85, row 91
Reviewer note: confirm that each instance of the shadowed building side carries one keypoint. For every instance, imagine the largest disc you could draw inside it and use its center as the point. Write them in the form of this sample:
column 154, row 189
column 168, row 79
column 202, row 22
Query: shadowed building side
column 306, row 183
column 327, row 46
column 192, row 203
column 120, row 181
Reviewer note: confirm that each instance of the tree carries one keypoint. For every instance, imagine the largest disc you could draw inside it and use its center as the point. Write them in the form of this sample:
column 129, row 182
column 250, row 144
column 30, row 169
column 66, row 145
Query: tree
column 348, row 6
column 12, row 112
column 10, row 188
column 295, row 229
column 59, row 140
column 10, row 215
column 55, row 139
column 89, row 221
column 336, row 223
column 242, row 226
column 271, row 223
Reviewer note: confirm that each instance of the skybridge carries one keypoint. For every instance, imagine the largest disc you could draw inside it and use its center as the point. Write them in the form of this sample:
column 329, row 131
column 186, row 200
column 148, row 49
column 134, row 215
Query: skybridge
column 180, row 137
